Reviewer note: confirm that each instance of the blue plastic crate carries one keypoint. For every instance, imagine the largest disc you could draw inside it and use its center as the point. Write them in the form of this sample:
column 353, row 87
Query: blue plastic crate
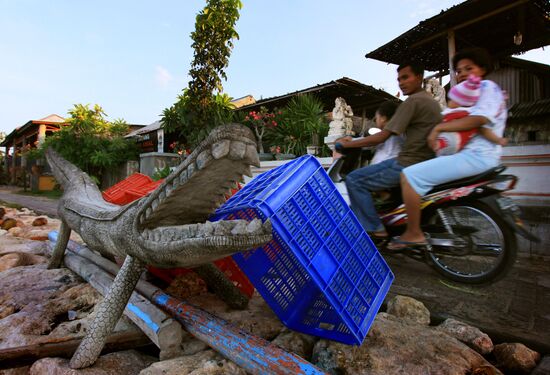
column 321, row 274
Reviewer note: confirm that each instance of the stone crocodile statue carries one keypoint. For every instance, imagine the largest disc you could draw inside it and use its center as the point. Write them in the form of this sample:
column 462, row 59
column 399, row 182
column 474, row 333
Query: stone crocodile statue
column 168, row 228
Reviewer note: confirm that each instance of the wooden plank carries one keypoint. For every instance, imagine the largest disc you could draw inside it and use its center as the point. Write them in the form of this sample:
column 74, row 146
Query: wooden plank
column 65, row 347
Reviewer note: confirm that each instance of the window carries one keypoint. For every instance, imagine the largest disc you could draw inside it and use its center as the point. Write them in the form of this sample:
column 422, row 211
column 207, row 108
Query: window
column 532, row 135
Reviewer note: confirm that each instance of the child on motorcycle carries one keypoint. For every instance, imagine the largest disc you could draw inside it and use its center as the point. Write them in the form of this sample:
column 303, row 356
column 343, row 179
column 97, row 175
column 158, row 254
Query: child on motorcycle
column 461, row 97
column 392, row 146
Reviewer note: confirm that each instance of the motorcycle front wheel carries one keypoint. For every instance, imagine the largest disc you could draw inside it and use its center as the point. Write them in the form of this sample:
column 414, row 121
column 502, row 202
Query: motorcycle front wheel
column 483, row 248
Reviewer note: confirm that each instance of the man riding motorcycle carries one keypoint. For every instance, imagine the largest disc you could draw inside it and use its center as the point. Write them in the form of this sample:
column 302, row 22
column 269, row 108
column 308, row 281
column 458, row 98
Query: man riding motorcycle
column 414, row 118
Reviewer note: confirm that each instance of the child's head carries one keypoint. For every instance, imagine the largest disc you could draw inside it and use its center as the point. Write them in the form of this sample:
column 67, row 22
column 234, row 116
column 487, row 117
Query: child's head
column 384, row 113
column 466, row 93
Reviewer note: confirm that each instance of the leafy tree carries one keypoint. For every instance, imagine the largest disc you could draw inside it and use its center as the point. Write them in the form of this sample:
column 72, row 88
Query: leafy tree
column 202, row 105
column 91, row 142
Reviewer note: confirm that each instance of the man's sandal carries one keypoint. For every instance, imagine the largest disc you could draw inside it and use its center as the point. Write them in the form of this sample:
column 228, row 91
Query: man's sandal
column 397, row 243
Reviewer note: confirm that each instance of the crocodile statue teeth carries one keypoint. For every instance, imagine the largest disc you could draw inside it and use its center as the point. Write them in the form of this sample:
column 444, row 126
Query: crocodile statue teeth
column 168, row 228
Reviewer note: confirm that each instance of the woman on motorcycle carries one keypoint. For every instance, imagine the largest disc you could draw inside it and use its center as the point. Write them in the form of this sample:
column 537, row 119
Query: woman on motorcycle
column 476, row 157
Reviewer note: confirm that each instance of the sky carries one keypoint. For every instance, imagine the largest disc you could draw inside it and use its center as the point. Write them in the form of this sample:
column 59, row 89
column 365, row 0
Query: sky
column 132, row 57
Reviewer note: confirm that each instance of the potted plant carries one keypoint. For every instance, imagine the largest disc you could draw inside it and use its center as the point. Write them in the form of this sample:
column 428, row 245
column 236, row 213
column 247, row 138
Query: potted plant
column 283, row 153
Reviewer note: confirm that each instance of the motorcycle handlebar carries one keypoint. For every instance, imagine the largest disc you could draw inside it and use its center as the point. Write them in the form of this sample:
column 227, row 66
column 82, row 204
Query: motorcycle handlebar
column 339, row 148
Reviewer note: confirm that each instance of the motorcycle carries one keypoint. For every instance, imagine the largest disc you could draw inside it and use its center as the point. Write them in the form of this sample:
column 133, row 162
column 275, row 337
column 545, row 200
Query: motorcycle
column 471, row 226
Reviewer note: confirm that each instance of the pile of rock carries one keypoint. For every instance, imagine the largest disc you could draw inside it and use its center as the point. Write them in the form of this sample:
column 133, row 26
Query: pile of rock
column 40, row 305
column 401, row 341
column 24, row 223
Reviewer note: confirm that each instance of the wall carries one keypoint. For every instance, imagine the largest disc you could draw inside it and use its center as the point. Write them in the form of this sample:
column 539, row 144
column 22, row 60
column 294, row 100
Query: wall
column 112, row 176
column 151, row 161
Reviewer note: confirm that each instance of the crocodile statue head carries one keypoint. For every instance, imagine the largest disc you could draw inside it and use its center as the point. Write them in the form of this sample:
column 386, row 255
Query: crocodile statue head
column 168, row 228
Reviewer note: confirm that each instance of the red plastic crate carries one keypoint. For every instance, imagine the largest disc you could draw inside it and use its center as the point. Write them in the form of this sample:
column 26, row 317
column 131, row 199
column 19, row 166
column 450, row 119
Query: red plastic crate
column 117, row 193
column 141, row 191
column 139, row 185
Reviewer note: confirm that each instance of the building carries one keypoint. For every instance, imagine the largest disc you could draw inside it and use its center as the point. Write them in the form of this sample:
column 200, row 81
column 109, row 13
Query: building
column 363, row 99
column 20, row 170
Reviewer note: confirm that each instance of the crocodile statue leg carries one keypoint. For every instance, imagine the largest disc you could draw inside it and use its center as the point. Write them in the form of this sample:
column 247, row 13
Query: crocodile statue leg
column 60, row 246
column 220, row 285
column 109, row 312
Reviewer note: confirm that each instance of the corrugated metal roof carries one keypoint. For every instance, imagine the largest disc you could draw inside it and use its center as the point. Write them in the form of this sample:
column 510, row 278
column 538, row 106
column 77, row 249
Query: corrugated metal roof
column 490, row 24
column 356, row 94
column 531, row 109
column 146, row 129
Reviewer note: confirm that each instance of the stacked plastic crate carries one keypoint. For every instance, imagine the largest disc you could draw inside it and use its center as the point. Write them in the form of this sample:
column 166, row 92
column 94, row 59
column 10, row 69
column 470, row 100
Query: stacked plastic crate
column 321, row 273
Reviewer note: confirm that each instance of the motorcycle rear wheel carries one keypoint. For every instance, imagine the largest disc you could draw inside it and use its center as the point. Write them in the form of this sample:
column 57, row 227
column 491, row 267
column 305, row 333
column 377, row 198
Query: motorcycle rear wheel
column 486, row 254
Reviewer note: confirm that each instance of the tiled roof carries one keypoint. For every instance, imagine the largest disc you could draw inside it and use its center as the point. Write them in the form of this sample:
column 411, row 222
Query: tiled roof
column 51, row 118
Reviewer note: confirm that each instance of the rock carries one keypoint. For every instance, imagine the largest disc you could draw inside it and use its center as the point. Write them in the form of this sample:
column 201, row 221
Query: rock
column 2, row 212
column 295, row 342
column 128, row 362
column 36, row 300
column 39, row 238
column 187, row 285
column 19, row 259
column 11, row 261
column 20, row 223
column 39, row 221
column 257, row 319
column 3, row 232
column 10, row 244
column 6, row 310
column 191, row 345
column 485, row 370
column 9, row 223
column 16, row 371
column 204, row 363
column 516, row 358
column 543, row 368
column 397, row 346
column 410, row 309
column 469, row 335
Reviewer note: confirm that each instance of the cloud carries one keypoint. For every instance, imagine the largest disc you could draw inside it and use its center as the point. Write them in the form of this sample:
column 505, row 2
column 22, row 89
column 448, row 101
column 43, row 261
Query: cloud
column 162, row 76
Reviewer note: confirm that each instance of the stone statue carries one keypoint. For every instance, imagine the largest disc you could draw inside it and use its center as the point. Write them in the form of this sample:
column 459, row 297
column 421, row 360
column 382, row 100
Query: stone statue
column 168, row 228
column 437, row 91
column 342, row 122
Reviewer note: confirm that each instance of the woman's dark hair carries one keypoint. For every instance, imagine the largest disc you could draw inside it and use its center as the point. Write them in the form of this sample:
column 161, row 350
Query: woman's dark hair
column 387, row 109
column 479, row 56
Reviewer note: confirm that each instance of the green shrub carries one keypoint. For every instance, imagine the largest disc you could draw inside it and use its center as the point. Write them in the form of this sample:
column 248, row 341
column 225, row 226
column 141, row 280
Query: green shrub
column 302, row 123
column 90, row 141
column 159, row 174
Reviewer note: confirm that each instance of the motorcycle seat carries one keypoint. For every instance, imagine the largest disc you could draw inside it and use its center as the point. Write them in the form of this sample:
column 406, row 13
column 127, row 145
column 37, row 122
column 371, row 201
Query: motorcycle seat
column 487, row 175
